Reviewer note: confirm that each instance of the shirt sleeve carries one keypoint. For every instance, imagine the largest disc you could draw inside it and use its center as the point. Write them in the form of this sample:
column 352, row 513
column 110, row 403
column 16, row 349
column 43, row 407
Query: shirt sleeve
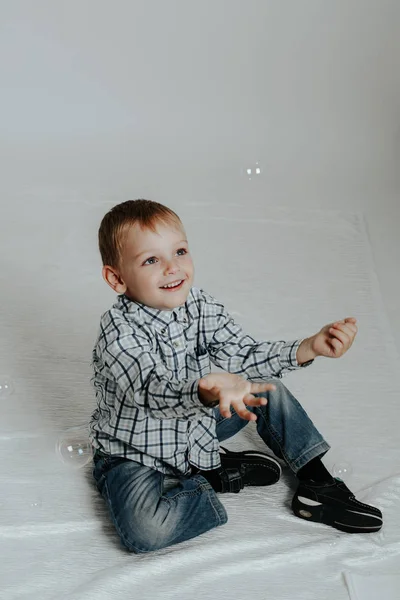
column 237, row 352
column 144, row 380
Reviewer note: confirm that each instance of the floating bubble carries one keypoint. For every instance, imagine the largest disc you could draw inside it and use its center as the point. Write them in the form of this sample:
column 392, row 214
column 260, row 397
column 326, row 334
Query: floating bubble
column 252, row 170
column 342, row 470
column 6, row 387
column 12, row 506
column 21, row 503
column 74, row 448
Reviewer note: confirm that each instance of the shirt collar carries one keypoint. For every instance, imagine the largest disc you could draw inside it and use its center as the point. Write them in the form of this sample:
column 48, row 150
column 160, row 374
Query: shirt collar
column 159, row 319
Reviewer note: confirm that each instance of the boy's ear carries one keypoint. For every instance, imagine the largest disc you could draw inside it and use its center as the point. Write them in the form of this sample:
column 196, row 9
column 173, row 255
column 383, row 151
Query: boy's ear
column 113, row 279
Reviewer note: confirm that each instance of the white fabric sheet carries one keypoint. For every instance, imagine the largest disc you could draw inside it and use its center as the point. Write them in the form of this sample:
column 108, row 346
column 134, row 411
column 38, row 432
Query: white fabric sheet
column 373, row 587
column 283, row 273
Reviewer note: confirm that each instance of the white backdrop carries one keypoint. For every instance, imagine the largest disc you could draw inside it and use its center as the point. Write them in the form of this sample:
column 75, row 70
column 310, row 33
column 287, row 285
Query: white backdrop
column 172, row 100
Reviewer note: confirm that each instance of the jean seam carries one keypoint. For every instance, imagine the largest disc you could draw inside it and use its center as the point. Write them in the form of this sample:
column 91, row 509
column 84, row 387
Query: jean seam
column 118, row 527
column 201, row 488
column 292, row 463
column 276, row 437
column 211, row 493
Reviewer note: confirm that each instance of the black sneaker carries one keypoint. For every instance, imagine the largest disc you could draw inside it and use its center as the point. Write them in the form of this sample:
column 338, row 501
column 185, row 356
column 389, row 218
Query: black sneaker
column 239, row 469
column 334, row 504
column 255, row 468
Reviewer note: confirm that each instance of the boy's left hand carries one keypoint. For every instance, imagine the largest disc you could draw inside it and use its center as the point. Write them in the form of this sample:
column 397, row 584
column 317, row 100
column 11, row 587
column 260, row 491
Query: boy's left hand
column 335, row 338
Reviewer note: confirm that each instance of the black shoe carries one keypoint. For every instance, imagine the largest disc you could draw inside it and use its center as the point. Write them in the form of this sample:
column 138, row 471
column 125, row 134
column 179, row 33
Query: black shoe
column 224, row 480
column 243, row 468
column 334, row 504
column 255, row 468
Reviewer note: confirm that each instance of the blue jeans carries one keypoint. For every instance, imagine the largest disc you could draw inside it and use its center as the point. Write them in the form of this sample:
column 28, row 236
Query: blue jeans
column 151, row 510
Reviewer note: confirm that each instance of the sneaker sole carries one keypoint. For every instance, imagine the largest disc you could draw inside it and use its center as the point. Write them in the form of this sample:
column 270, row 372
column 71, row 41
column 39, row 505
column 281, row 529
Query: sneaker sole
column 350, row 521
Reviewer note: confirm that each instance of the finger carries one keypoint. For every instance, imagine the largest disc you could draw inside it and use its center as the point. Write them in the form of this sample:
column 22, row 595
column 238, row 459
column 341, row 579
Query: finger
column 336, row 345
column 242, row 411
column 250, row 400
column 262, row 387
column 346, row 332
column 225, row 408
column 343, row 337
column 349, row 323
column 249, row 416
column 348, row 327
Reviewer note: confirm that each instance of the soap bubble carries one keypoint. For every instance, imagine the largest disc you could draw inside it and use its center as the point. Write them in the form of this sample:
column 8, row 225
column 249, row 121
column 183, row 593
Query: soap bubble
column 338, row 464
column 6, row 387
column 74, row 448
column 252, row 170
column 22, row 502
column 342, row 470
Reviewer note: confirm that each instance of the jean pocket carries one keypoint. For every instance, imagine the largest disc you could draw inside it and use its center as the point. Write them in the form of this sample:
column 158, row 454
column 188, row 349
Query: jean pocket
column 106, row 463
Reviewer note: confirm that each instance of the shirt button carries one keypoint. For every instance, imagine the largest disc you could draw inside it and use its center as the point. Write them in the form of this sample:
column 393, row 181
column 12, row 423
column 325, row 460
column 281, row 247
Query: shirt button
column 176, row 344
column 163, row 330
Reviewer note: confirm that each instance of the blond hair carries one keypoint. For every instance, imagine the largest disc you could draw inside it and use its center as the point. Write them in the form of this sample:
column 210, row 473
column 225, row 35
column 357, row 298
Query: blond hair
column 117, row 221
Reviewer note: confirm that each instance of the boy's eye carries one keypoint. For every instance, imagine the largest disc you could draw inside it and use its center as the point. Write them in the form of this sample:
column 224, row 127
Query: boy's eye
column 154, row 258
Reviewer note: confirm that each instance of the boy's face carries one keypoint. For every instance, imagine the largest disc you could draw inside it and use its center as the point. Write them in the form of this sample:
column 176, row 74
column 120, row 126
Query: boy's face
column 150, row 261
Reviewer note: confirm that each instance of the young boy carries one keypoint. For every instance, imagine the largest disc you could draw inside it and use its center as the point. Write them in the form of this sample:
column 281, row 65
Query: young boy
column 161, row 413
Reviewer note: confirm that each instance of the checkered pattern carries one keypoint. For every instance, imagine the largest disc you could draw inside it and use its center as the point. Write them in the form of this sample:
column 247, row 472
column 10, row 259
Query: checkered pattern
column 147, row 363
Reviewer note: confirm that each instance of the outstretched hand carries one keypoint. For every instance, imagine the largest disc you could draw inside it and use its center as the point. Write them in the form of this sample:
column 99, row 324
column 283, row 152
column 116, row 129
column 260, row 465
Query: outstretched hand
column 228, row 388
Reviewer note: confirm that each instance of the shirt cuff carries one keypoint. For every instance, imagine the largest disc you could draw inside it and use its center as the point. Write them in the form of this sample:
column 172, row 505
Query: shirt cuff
column 288, row 358
column 190, row 397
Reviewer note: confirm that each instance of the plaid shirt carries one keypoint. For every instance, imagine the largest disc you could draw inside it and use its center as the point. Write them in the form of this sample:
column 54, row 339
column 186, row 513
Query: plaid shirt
column 147, row 363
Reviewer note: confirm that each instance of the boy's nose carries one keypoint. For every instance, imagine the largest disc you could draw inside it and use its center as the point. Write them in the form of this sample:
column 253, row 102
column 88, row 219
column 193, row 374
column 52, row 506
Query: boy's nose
column 172, row 268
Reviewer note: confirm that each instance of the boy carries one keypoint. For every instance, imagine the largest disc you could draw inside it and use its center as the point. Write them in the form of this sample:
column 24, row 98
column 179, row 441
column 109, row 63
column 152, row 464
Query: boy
column 161, row 413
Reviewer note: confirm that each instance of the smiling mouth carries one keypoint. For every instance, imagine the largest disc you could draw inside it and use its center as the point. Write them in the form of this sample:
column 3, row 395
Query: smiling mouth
column 174, row 286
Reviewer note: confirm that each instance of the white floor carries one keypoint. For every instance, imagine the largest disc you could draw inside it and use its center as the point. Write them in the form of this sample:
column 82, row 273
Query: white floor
column 283, row 272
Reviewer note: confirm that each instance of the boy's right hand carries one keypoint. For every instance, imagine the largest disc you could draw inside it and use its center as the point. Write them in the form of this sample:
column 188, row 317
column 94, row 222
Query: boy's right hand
column 228, row 389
